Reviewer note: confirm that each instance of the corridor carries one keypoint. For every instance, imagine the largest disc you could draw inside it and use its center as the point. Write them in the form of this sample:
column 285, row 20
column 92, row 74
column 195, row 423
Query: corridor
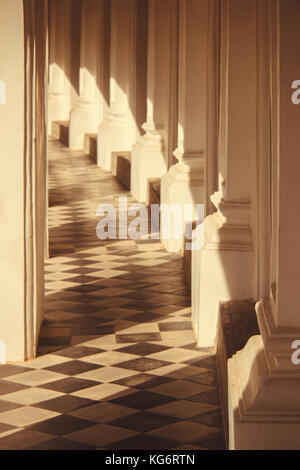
column 117, row 364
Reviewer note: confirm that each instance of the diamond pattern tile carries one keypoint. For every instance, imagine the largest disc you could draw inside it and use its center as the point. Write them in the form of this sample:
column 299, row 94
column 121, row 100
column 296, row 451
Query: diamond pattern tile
column 30, row 396
column 23, row 438
column 117, row 365
column 70, row 384
column 35, row 377
column 143, row 421
column 61, row 425
column 144, row 441
column 7, row 370
column 180, row 389
column 103, row 412
column 25, row 416
column 101, row 435
column 65, row 403
column 73, row 367
column 143, row 364
column 188, row 431
column 142, row 400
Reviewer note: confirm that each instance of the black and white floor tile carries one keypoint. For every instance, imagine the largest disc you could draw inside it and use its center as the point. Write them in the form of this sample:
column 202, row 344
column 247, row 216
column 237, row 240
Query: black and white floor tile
column 117, row 365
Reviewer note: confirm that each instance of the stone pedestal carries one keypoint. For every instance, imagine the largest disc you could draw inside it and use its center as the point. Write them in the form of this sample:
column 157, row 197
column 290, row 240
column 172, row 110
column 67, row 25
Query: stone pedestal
column 182, row 185
column 113, row 136
column 148, row 160
column 264, row 388
column 224, row 266
column 82, row 121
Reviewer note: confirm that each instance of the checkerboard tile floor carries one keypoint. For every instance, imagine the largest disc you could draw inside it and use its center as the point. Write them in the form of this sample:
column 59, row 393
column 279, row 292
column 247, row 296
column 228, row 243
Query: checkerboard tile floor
column 117, row 364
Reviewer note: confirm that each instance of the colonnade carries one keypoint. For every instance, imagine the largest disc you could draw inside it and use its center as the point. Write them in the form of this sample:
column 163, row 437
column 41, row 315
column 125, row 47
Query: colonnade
column 199, row 92
column 213, row 71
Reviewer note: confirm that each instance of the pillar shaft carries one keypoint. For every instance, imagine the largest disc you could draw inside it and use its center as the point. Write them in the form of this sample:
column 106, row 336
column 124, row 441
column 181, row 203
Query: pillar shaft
column 152, row 153
column 57, row 61
column 64, row 59
column 162, row 39
column 279, row 304
column 89, row 50
column 120, row 127
column 226, row 262
column 288, row 197
column 238, row 110
column 193, row 78
column 184, row 182
column 264, row 377
column 121, row 15
column 89, row 109
column 56, row 56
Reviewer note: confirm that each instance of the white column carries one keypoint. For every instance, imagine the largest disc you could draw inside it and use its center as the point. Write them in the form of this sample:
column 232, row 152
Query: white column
column 64, row 59
column 150, row 154
column 103, row 64
column 59, row 89
column 226, row 263
column 58, row 12
column 184, row 182
column 116, row 132
column 84, row 117
column 22, row 176
column 264, row 377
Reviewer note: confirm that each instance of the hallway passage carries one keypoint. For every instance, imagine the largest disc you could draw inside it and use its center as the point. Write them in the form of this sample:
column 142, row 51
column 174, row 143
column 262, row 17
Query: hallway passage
column 118, row 367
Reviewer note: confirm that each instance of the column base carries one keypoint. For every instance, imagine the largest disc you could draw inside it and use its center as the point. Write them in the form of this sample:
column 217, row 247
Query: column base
column 55, row 110
column 148, row 160
column 82, row 121
column 223, row 269
column 113, row 136
column 182, row 184
column 264, row 410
